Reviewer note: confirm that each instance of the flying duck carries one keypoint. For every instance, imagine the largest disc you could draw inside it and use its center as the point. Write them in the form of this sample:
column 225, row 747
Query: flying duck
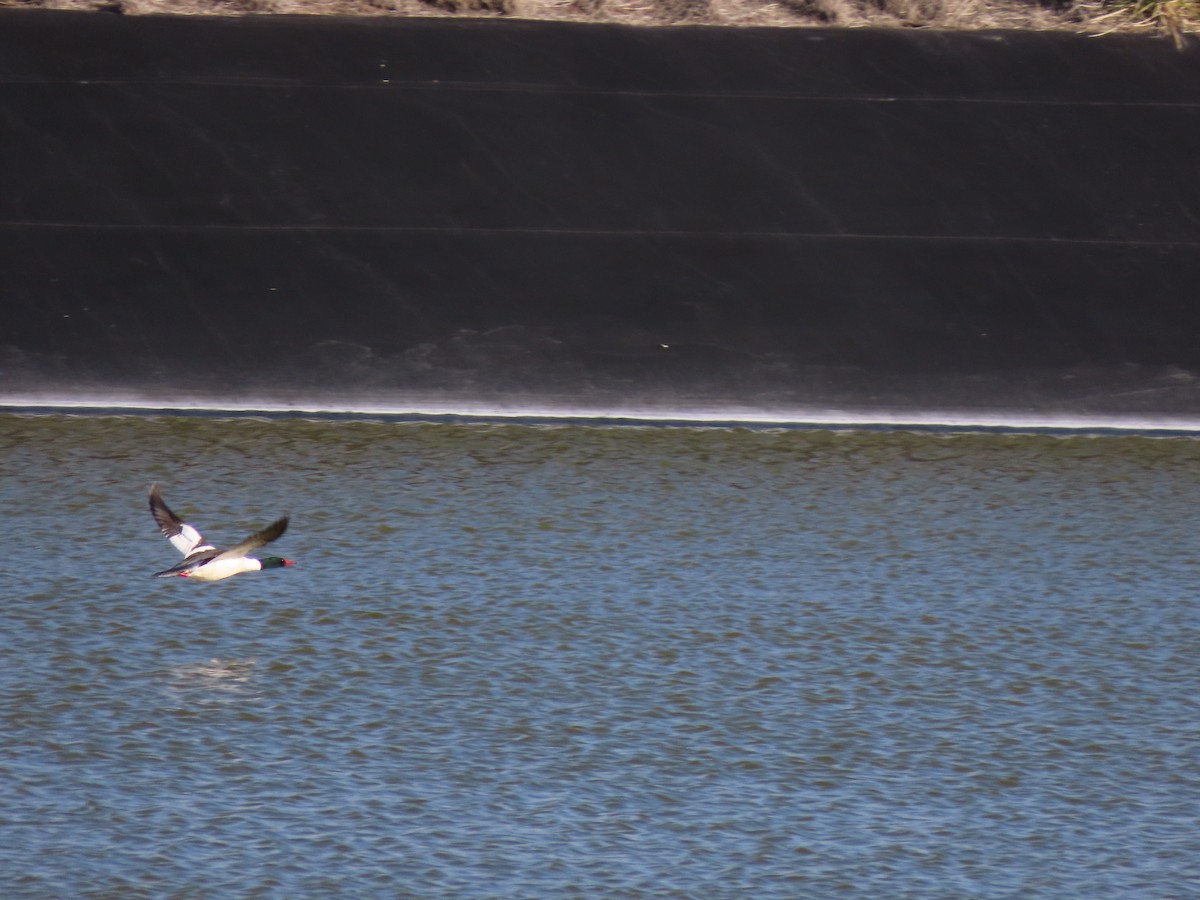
column 205, row 562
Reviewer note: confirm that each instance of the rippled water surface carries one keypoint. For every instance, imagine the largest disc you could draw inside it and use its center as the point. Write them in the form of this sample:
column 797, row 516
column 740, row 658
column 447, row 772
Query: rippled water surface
column 541, row 662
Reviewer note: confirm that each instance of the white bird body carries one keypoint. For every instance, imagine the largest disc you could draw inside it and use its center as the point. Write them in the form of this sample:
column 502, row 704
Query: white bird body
column 217, row 569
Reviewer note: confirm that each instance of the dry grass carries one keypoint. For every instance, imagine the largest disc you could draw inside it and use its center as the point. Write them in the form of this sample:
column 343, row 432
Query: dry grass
column 1175, row 18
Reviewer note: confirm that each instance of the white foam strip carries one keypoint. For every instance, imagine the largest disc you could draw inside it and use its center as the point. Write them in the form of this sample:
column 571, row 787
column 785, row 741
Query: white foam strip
column 683, row 415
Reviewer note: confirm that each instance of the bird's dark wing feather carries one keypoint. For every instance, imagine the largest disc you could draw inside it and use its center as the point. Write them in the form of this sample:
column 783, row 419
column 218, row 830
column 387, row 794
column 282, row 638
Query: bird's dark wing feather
column 193, row 561
column 256, row 540
column 184, row 537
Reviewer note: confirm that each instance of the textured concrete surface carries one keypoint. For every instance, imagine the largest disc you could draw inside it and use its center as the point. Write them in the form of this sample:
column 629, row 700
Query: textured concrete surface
column 600, row 216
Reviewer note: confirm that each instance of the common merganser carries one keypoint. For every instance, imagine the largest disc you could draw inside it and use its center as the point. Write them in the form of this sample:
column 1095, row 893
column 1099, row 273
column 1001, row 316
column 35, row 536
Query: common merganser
column 205, row 562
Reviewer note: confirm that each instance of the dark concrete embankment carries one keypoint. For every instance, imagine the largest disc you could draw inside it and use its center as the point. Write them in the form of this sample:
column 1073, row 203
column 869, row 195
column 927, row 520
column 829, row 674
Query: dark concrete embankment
column 390, row 211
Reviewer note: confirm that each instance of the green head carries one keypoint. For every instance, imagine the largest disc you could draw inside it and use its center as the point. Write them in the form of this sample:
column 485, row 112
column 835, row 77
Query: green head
column 275, row 562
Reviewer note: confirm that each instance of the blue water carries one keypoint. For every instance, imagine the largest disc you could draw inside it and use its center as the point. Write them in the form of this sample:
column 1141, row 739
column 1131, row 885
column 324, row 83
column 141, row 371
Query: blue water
column 552, row 661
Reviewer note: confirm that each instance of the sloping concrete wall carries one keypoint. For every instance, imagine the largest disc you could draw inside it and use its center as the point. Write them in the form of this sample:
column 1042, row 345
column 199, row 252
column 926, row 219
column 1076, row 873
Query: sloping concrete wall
column 398, row 211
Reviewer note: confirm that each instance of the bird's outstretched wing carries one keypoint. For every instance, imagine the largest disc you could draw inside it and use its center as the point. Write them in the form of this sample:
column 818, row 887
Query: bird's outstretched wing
column 183, row 537
column 256, row 540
